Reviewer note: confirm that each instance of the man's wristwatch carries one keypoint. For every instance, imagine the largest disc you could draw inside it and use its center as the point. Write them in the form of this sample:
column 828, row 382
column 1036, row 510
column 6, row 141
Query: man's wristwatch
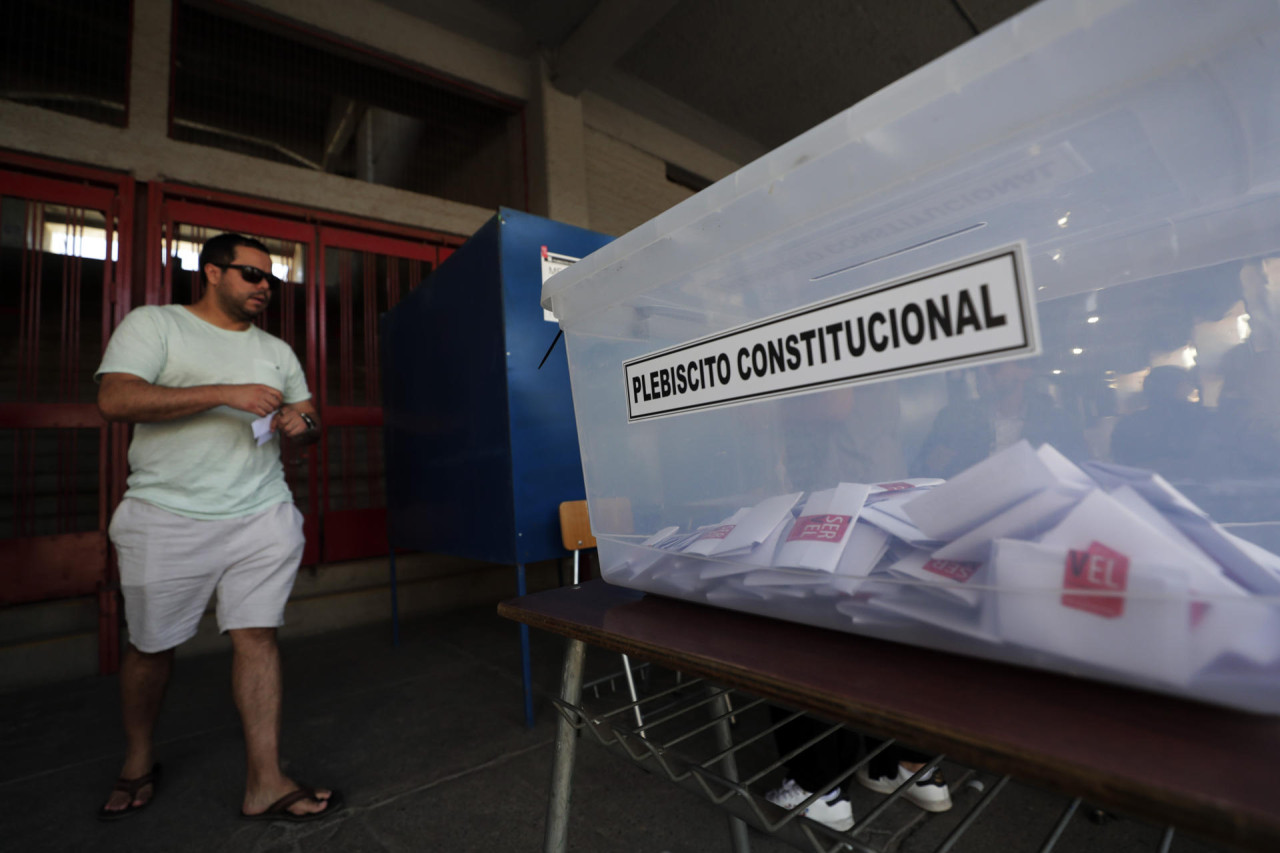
column 312, row 426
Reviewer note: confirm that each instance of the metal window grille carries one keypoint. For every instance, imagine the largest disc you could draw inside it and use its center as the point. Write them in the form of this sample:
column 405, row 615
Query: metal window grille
column 68, row 55
column 245, row 83
column 51, row 307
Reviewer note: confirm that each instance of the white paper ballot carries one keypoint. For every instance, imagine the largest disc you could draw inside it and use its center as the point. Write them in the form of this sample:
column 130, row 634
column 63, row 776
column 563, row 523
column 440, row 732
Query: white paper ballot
column 760, row 556
column 710, row 537
column 867, row 544
column 1027, row 519
column 1149, row 484
column 1259, row 576
column 901, row 489
column 785, row 577
column 949, row 615
column 962, row 581
column 1093, row 604
column 818, row 537
column 747, row 529
column 1067, row 472
column 977, row 493
column 640, row 557
column 262, row 429
column 889, row 518
column 1242, row 565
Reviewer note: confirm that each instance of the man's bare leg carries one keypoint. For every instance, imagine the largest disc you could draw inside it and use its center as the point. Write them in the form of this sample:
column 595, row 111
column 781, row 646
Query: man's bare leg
column 257, row 688
column 143, row 678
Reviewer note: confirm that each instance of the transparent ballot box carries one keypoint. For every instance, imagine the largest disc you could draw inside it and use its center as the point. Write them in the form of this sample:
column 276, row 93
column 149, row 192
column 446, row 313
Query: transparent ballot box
column 989, row 362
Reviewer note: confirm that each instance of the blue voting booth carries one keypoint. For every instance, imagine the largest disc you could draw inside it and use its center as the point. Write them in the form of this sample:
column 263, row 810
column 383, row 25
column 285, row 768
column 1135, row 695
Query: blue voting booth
column 480, row 442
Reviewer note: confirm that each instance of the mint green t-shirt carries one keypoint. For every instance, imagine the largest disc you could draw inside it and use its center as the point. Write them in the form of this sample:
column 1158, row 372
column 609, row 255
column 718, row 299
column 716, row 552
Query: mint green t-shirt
column 207, row 465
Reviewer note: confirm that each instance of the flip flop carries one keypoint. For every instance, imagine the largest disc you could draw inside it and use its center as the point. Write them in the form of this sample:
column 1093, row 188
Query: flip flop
column 132, row 787
column 279, row 810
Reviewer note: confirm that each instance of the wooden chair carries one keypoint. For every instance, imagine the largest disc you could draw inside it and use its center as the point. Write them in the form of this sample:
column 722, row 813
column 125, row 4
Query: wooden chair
column 575, row 533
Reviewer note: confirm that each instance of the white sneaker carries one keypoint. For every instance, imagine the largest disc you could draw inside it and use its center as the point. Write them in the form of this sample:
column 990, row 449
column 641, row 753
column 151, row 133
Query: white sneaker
column 930, row 793
column 830, row 810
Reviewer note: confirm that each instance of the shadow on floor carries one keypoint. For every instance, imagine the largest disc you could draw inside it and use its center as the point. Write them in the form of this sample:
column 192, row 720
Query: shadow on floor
column 427, row 742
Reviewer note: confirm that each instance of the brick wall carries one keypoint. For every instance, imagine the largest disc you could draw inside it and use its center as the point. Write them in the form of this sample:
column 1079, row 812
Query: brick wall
column 626, row 187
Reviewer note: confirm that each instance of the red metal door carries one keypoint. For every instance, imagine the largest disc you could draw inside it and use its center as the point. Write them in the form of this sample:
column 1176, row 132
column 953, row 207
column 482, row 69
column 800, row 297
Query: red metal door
column 183, row 228
column 363, row 275
column 63, row 285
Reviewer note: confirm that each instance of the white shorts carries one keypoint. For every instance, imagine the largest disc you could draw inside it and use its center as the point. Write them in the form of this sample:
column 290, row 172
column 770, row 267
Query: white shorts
column 171, row 564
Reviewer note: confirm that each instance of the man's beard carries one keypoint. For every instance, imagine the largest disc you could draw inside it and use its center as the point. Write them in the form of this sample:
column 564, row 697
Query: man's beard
column 245, row 310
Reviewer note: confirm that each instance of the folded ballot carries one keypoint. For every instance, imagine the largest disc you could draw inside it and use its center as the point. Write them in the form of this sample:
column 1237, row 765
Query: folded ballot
column 959, row 580
column 820, row 533
column 1094, row 604
column 746, row 529
column 1093, row 569
column 991, row 487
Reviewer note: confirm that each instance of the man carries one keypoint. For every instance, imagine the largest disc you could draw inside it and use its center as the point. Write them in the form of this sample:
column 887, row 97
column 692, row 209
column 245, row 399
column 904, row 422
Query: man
column 208, row 508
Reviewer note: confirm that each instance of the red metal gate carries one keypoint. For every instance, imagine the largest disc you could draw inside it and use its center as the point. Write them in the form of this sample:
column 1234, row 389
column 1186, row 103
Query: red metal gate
column 64, row 247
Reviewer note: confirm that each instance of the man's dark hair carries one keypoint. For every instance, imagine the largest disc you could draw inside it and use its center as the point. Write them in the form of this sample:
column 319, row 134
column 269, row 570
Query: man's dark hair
column 221, row 250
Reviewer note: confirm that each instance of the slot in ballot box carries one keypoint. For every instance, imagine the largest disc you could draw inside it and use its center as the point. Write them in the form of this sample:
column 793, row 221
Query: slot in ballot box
column 989, row 362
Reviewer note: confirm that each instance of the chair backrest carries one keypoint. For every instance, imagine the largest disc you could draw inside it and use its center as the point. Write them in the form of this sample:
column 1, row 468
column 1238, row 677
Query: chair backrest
column 575, row 526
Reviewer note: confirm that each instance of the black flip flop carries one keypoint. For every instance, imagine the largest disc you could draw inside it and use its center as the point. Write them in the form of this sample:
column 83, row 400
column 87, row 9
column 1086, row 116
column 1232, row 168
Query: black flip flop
column 132, row 787
column 279, row 810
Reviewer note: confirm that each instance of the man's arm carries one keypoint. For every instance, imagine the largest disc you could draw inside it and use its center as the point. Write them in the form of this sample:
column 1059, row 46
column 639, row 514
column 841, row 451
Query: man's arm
column 292, row 423
column 132, row 399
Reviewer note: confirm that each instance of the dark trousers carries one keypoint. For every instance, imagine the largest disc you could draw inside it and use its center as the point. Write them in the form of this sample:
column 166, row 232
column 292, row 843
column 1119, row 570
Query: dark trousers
column 820, row 765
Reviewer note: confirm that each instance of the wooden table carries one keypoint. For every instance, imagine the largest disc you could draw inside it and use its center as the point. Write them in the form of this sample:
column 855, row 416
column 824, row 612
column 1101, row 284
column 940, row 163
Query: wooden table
column 1206, row 770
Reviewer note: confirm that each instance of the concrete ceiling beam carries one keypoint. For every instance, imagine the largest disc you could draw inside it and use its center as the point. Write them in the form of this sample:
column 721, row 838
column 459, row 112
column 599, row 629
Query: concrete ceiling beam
column 610, row 30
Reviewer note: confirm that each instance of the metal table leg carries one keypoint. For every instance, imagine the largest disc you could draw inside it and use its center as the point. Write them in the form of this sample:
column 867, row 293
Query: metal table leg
column 526, row 665
column 729, row 767
column 395, row 602
column 566, row 745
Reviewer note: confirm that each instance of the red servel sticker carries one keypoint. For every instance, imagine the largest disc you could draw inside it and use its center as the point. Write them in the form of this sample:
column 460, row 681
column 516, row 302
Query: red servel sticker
column 1098, row 569
column 895, row 487
column 718, row 532
column 819, row 528
column 956, row 570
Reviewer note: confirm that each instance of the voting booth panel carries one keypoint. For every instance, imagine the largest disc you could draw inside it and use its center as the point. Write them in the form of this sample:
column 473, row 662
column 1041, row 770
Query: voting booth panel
column 480, row 442
column 989, row 362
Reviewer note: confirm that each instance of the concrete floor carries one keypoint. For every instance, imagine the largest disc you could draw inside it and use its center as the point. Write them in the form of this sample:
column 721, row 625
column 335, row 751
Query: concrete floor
column 427, row 742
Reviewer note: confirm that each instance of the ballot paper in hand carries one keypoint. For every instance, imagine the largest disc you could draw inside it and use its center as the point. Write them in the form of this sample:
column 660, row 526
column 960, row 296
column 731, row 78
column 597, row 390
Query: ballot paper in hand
column 1093, row 604
column 262, row 429
column 819, row 535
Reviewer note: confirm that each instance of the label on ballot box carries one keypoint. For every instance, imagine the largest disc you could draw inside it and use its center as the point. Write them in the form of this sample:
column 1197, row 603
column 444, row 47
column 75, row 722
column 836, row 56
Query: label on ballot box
column 977, row 309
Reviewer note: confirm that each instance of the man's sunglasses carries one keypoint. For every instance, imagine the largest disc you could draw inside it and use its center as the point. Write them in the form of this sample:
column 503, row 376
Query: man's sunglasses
column 252, row 275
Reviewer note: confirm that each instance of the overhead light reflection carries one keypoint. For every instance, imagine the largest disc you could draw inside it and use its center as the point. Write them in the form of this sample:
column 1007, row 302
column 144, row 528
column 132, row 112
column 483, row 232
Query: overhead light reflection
column 1076, row 350
column 1092, row 319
